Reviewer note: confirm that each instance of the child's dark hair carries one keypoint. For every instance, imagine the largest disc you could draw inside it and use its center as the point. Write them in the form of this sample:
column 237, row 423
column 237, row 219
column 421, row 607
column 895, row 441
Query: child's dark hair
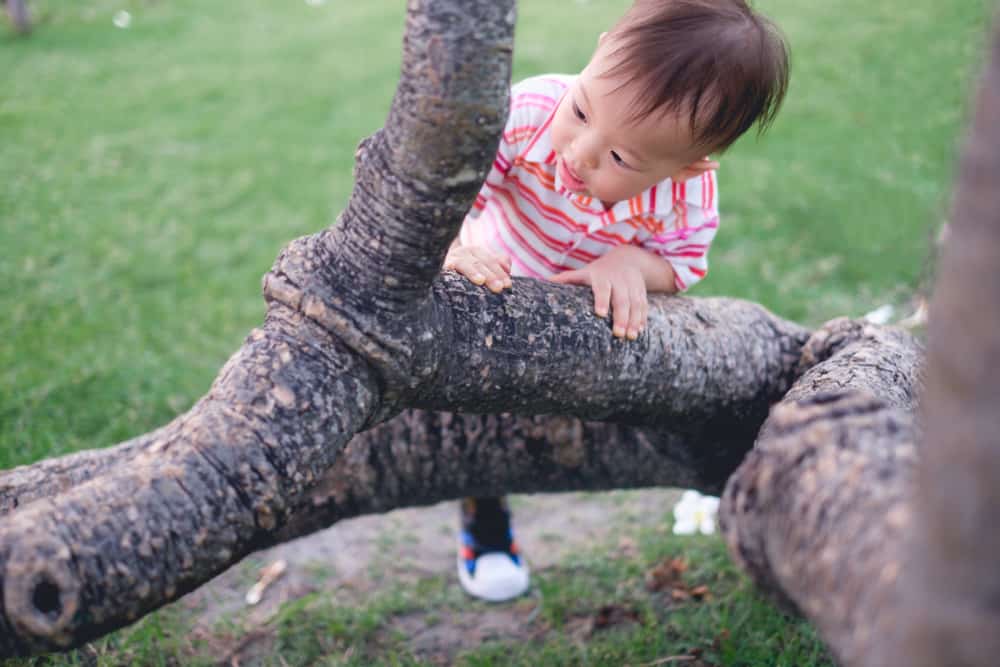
column 716, row 60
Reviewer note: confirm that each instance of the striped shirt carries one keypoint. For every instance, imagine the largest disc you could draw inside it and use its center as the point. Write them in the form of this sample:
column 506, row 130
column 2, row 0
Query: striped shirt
column 524, row 211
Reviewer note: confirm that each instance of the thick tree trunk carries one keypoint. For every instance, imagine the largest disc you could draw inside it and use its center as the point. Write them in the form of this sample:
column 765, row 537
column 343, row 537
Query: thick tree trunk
column 895, row 559
column 952, row 585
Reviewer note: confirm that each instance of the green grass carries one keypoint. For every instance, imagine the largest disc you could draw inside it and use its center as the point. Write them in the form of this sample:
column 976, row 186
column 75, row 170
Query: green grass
column 149, row 176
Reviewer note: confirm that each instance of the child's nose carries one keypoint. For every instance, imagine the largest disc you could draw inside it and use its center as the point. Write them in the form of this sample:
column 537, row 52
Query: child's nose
column 583, row 156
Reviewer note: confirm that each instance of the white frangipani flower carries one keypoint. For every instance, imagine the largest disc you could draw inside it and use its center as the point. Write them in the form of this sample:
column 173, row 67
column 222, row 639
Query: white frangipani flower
column 881, row 315
column 695, row 512
column 122, row 19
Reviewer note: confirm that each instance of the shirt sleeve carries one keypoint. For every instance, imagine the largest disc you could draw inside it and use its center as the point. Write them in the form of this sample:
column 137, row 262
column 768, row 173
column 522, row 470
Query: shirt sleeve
column 687, row 229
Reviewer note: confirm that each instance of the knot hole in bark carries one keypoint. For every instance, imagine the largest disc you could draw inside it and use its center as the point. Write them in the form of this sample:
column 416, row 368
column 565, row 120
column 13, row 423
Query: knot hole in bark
column 41, row 593
column 47, row 599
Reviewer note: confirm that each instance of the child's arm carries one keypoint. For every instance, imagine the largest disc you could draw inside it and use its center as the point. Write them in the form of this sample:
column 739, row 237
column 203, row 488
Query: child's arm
column 621, row 279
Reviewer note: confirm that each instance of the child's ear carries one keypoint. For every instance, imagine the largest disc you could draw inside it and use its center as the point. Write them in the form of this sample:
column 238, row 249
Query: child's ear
column 696, row 168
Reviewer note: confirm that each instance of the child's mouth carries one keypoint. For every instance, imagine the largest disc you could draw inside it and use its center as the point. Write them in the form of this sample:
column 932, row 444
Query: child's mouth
column 572, row 182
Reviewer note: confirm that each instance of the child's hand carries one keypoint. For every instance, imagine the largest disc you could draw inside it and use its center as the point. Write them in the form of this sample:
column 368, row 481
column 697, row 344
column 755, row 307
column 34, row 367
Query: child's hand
column 617, row 281
column 480, row 265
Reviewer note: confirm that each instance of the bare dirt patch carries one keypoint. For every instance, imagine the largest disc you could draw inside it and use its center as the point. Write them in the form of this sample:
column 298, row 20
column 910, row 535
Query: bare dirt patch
column 364, row 554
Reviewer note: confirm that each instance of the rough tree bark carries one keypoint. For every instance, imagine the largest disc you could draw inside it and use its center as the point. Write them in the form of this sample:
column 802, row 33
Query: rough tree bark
column 815, row 512
column 359, row 326
column 894, row 557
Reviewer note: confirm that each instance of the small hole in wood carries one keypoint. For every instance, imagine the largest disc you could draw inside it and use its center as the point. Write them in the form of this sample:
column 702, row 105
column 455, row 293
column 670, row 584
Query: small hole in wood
column 46, row 598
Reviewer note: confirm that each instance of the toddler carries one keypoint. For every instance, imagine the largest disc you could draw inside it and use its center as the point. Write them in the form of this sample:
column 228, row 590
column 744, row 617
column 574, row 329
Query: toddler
column 602, row 179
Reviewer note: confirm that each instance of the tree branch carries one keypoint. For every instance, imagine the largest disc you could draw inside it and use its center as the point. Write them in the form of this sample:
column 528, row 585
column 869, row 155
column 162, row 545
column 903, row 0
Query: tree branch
column 705, row 372
column 816, row 512
column 229, row 477
column 206, row 491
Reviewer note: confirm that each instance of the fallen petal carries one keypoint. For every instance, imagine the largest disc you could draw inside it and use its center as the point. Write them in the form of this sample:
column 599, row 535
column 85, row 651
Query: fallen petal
column 268, row 575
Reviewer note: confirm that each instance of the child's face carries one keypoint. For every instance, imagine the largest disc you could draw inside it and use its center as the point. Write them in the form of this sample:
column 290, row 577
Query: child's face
column 603, row 155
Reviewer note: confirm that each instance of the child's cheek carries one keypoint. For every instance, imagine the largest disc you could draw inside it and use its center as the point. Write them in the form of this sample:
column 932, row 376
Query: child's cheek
column 559, row 140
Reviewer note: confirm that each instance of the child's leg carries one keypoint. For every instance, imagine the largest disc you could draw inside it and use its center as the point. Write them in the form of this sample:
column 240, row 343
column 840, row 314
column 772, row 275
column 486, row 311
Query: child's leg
column 490, row 566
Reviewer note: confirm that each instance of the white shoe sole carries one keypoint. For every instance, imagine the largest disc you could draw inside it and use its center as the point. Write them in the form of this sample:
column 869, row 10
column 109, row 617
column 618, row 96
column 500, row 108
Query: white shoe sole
column 497, row 578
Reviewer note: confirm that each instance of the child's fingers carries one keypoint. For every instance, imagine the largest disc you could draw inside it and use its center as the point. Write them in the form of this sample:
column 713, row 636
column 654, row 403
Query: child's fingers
column 496, row 279
column 480, row 266
column 497, row 275
column 621, row 310
column 470, row 269
column 506, row 262
column 602, row 297
column 637, row 313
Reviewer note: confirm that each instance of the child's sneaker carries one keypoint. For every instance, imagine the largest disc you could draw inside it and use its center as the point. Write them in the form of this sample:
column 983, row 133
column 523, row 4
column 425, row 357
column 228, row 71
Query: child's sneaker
column 489, row 564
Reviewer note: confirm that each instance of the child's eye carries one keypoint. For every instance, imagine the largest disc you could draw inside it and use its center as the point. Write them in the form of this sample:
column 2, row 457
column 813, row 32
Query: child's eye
column 578, row 113
column 618, row 159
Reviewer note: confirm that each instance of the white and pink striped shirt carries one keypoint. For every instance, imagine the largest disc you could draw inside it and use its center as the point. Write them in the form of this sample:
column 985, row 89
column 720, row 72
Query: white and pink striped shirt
column 523, row 209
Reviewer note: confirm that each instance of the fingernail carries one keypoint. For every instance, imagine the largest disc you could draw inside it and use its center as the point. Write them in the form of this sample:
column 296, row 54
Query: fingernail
column 632, row 334
column 602, row 313
column 496, row 284
column 619, row 331
column 478, row 278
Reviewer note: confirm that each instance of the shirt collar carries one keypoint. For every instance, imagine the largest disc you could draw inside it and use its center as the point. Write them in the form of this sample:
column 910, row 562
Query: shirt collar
column 539, row 149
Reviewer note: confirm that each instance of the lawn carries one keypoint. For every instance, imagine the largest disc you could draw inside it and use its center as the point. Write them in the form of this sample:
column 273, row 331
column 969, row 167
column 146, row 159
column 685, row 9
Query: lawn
column 150, row 174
